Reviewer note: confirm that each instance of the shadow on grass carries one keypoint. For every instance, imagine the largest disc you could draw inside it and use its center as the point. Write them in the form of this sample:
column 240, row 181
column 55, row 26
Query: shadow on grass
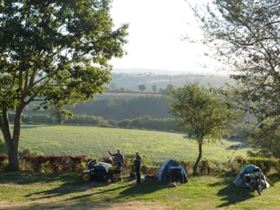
column 231, row 195
column 127, row 190
column 68, row 187
column 26, row 178
column 145, row 187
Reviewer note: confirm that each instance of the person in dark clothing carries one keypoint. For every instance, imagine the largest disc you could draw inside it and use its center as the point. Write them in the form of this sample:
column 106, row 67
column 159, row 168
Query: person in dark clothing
column 117, row 158
column 137, row 166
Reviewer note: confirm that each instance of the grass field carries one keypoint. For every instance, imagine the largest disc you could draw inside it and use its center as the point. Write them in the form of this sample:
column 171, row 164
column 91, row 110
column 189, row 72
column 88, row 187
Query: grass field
column 92, row 141
column 26, row 191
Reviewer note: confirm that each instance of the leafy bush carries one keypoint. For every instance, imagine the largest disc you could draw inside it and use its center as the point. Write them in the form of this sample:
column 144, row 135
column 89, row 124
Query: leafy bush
column 3, row 162
column 268, row 165
column 3, row 149
column 149, row 123
column 53, row 164
column 30, row 152
column 87, row 120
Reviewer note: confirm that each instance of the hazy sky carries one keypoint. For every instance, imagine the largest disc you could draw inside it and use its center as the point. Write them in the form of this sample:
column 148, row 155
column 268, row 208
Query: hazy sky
column 156, row 29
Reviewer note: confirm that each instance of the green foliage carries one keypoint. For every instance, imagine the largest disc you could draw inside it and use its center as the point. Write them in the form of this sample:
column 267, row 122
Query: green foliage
column 30, row 152
column 201, row 112
column 59, row 51
column 266, row 139
column 247, row 38
column 3, row 162
column 268, row 165
column 142, row 87
column 3, row 149
column 124, row 107
column 148, row 123
column 87, row 120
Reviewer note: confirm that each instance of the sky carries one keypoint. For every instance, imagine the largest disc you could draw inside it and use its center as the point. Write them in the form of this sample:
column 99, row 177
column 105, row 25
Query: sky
column 156, row 37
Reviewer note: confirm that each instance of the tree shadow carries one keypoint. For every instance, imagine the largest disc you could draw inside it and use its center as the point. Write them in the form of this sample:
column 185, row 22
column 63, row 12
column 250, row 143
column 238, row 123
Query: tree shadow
column 131, row 189
column 26, row 178
column 84, row 196
column 68, row 187
column 146, row 187
column 230, row 194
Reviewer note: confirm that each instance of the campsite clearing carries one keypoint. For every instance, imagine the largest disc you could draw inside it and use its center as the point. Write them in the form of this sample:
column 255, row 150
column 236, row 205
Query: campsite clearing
column 31, row 191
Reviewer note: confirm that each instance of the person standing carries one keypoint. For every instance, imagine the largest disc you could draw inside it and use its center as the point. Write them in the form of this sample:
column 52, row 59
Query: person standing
column 118, row 160
column 137, row 166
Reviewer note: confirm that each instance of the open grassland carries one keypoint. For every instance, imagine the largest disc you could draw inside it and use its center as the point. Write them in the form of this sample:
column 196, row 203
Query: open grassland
column 31, row 191
column 95, row 142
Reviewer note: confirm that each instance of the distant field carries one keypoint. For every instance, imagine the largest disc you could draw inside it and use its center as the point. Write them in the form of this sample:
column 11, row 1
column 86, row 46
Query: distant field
column 95, row 142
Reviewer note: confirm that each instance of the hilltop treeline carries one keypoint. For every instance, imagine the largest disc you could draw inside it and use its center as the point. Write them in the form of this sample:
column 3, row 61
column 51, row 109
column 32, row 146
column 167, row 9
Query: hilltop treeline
column 145, row 122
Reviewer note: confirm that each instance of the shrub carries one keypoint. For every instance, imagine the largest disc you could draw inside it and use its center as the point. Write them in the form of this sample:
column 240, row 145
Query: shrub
column 3, row 162
column 3, row 149
column 54, row 164
column 267, row 165
column 30, row 152
column 188, row 165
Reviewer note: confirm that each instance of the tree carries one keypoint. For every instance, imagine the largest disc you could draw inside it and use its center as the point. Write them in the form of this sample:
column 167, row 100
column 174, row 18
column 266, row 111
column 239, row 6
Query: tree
column 154, row 88
column 202, row 113
column 59, row 114
column 54, row 51
column 169, row 88
column 142, row 87
column 247, row 37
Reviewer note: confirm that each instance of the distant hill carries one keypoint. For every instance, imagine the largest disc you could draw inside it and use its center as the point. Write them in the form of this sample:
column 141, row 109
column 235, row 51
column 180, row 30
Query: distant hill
column 123, row 100
column 131, row 81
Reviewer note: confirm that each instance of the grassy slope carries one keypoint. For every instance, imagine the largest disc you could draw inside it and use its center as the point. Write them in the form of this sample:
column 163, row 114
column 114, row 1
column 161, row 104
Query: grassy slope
column 27, row 191
column 92, row 141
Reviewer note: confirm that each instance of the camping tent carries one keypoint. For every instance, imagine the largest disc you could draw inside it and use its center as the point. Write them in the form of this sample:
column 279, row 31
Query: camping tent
column 248, row 169
column 168, row 168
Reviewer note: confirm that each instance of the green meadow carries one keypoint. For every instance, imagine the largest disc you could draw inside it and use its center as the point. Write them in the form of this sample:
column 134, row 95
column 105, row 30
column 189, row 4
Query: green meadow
column 95, row 142
column 37, row 191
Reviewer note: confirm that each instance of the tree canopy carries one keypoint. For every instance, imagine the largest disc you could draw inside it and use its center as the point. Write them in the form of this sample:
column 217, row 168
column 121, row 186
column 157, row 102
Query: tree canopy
column 202, row 113
column 247, row 38
column 55, row 51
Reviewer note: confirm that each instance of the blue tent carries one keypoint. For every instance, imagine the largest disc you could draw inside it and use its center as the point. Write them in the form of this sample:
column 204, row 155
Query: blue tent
column 164, row 173
column 240, row 181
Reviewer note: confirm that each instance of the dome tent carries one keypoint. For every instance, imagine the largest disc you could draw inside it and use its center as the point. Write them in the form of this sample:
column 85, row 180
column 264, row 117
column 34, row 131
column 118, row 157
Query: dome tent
column 164, row 172
column 240, row 181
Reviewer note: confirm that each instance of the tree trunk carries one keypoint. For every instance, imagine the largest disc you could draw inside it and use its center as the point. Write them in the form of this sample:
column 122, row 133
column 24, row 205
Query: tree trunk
column 12, row 142
column 195, row 173
column 13, row 156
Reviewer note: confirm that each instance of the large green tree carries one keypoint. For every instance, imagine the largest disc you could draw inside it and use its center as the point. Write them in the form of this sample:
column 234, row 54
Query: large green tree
column 246, row 34
column 54, row 51
column 202, row 113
